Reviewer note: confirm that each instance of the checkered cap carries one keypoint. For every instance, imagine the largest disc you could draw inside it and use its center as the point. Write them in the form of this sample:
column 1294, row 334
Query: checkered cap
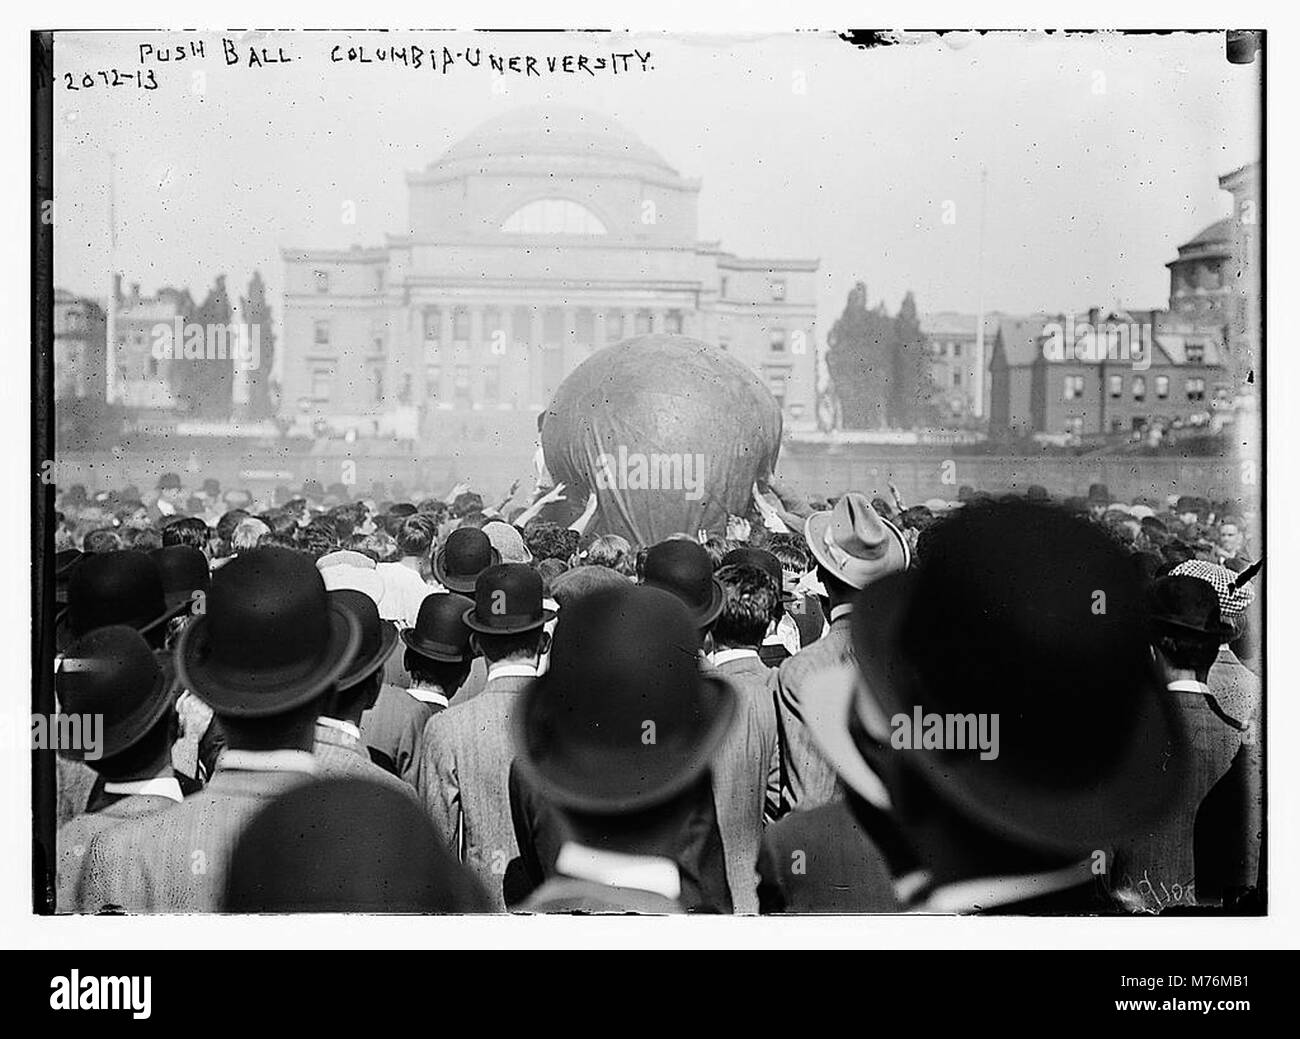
column 1232, row 603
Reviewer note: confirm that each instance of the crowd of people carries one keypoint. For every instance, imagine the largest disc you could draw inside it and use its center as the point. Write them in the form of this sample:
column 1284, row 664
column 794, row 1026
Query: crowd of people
column 400, row 702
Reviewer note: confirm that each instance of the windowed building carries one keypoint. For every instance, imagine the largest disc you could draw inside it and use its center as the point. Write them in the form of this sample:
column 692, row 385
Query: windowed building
column 543, row 236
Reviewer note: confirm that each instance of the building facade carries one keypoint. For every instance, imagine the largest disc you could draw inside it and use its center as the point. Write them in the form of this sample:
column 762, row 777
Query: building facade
column 955, row 362
column 541, row 237
column 1104, row 372
column 80, row 335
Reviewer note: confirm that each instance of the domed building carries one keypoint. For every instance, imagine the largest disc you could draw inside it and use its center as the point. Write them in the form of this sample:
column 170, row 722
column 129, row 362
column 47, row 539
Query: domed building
column 544, row 235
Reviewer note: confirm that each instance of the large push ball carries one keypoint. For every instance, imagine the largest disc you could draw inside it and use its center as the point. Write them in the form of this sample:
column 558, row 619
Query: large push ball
column 670, row 432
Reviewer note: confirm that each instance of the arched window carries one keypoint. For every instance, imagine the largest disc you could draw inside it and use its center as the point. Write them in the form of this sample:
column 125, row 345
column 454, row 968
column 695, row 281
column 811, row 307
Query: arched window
column 553, row 216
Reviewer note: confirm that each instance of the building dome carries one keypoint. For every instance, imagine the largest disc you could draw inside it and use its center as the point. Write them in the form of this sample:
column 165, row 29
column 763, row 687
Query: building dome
column 551, row 133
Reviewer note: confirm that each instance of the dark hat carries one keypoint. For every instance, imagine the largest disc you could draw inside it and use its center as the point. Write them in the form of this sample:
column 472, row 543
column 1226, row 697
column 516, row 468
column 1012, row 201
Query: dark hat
column 1099, row 494
column 169, row 482
column 346, row 846
column 65, row 563
column 117, row 588
column 211, row 486
column 764, row 560
column 1183, row 603
column 979, row 632
column 270, row 640
column 440, row 631
column 113, row 673
column 508, row 600
column 378, row 637
column 570, row 586
column 1188, row 503
column 1036, row 492
column 624, row 664
column 184, row 571
column 856, row 543
column 965, row 492
column 466, row 553
column 684, row 568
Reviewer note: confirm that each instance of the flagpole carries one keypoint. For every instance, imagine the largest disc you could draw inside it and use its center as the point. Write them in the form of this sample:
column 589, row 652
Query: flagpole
column 979, row 320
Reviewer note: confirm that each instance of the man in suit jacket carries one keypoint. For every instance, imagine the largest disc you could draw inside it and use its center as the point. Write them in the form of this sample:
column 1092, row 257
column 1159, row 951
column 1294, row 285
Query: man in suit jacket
column 437, row 660
column 853, row 546
column 746, row 783
column 580, row 738
column 112, row 673
column 338, row 733
column 268, row 616
column 1159, row 868
column 464, row 777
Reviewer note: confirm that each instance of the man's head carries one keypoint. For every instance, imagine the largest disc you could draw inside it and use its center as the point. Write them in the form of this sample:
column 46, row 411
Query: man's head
column 507, row 617
column 613, row 552
column 1232, row 536
column 267, row 650
column 190, row 531
column 169, row 488
column 1186, row 629
column 682, row 567
column 751, row 603
column 358, row 687
column 105, row 539
column 415, row 537
column 438, row 650
column 248, row 534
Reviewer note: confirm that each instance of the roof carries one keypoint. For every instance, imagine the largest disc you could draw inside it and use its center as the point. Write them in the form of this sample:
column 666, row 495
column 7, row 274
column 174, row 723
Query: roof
column 1219, row 231
column 550, row 131
column 950, row 323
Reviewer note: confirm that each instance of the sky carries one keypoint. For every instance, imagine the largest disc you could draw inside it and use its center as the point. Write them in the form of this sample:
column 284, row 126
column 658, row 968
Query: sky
column 1102, row 152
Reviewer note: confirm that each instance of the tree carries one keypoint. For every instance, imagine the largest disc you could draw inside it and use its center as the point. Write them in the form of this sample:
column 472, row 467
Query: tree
column 912, row 390
column 858, row 359
column 256, row 313
column 201, row 384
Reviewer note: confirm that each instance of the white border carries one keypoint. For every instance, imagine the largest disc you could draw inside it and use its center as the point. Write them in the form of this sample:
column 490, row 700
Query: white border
column 19, row 928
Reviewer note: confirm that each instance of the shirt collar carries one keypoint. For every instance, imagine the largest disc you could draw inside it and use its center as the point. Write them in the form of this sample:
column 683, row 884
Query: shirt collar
column 159, row 786
column 1187, row 685
column 981, row 893
column 347, row 728
column 427, row 694
column 512, row 670
column 842, row 610
column 617, row 869
column 267, row 761
column 722, row 656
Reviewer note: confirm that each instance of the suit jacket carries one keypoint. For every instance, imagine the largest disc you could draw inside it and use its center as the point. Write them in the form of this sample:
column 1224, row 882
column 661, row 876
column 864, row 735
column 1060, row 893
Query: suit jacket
column 74, row 781
column 807, row 779
column 746, row 775
column 1157, row 869
column 341, row 754
column 823, row 860
column 175, row 861
column 542, row 830
column 464, row 780
column 74, row 837
column 393, row 730
column 1236, row 688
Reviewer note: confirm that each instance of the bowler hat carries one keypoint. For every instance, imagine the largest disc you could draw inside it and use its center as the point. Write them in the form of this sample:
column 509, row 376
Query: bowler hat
column 1036, row 492
column 508, row 601
column 855, row 543
column 572, row 585
column 1099, row 494
column 117, row 588
column 270, row 640
column 466, row 553
column 623, row 719
column 112, row 672
column 440, row 631
column 1183, row 603
column 976, row 632
column 169, row 482
column 378, row 637
column 764, row 560
column 184, row 571
column 343, row 845
column 682, row 567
